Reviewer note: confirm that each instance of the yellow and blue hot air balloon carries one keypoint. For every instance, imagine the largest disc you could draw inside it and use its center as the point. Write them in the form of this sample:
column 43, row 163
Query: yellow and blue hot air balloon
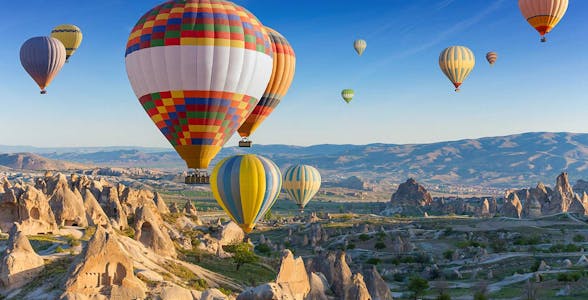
column 246, row 187
column 71, row 37
column 302, row 182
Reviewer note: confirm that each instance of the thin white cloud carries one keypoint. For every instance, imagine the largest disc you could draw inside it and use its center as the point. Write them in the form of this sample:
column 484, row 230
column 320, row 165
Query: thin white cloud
column 455, row 29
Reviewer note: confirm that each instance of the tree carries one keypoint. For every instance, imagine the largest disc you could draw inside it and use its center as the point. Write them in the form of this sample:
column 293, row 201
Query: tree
column 242, row 254
column 380, row 245
column 444, row 296
column 417, row 285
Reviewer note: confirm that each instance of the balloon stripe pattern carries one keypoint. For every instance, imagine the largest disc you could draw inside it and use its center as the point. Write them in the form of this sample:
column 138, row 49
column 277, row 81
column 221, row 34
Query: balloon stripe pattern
column 42, row 57
column 457, row 62
column 199, row 68
column 246, row 187
column 301, row 183
column 360, row 46
column 347, row 95
column 492, row 57
column 283, row 71
column 71, row 37
column 543, row 15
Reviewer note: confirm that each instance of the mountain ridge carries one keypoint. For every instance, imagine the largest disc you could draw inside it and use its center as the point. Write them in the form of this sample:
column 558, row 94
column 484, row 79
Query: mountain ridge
column 503, row 161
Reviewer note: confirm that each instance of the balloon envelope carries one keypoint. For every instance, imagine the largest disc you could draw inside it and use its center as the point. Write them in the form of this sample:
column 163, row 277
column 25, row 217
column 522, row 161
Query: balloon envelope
column 360, row 46
column 42, row 57
column 543, row 15
column 70, row 36
column 282, row 75
column 492, row 57
column 457, row 62
column 199, row 68
column 246, row 187
column 347, row 95
column 301, row 182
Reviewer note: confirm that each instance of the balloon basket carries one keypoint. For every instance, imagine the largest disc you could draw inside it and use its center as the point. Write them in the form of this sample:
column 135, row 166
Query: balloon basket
column 245, row 144
column 43, row 92
column 201, row 178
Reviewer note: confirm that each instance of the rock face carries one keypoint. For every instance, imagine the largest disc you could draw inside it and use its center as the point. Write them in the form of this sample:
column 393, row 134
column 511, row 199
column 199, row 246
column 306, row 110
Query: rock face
column 319, row 286
column 161, row 207
column 20, row 263
column 376, row 286
column 111, row 204
column 411, row 193
column 190, row 209
column 512, row 207
column 103, row 271
column 27, row 206
column 149, row 230
column 268, row 291
column 94, row 212
column 293, row 275
column 173, row 208
column 67, row 205
column 562, row 196
column 357, row 290
column 231, row 233
column 334, row 267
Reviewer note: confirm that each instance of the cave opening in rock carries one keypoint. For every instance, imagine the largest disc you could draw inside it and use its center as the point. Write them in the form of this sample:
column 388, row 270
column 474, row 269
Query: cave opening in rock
column 146, row 233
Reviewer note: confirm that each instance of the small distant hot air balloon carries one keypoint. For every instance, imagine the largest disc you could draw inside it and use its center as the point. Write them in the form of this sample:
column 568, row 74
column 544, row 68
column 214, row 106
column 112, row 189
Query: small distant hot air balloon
column 282, row 76
column 42, row 57
column 457, row 62
column 543, row 15
column 347, row 95
column 199, row 68
column 71, row 37
column 301, row 182
column 491, row 57
column 246, row 187
column 360, row 46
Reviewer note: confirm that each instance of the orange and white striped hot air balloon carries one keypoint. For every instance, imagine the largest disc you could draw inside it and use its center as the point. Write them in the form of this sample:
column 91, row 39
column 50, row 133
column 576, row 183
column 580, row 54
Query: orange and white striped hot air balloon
column 543, row 15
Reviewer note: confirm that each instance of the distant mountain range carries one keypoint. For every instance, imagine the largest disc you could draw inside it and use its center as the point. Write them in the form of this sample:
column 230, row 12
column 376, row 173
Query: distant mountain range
column 508, row 161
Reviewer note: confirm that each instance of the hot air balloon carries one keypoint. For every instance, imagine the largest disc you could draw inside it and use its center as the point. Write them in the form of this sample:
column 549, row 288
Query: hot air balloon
column 301, row 182
column 360, row 46
column 42, row 57
column 491, row 57
column 246, row 187
column 543, row 15
column 347, row 95
column 282, row 76
column 70, row 36
column 199, row 68
column 457, row 62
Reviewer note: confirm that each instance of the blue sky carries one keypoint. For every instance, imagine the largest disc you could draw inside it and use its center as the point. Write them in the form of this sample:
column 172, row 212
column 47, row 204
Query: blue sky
column 401, row 95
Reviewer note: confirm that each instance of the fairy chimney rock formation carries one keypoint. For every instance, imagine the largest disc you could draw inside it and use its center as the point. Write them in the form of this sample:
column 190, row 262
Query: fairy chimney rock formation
column 293, row 276
column 67, row 206
column 190, row 209
column 103, row 271
column 151, row 232
column 20, row 263
column 160, row 203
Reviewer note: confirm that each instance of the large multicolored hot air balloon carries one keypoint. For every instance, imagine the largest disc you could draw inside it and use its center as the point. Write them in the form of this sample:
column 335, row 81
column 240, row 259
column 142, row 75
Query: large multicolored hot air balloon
column 246, row 187
column 301, row 182
column 42, row 57
column 347, row 95
column 457, row 62
column 543, row 15
column 282, row 75
column 71, row 37
column 199, row 68
column 360, row 46
column 491, row 57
